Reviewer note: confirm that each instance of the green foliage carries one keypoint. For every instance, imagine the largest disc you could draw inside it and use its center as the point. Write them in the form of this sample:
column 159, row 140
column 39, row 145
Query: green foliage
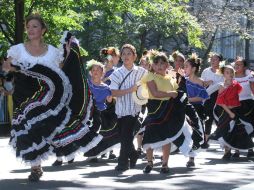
column 108, row 23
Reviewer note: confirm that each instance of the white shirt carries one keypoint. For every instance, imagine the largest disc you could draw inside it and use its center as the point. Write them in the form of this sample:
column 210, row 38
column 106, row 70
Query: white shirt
column 246, row 92
column 125, row 105
column 207, row 75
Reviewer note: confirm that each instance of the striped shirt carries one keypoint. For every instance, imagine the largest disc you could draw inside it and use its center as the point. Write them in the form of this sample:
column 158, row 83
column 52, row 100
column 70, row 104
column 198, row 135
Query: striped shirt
column 125, row 104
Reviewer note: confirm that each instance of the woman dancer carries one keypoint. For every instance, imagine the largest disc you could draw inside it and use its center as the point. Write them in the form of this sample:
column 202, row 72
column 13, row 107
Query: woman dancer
column 211, row 80
column 246, row 96
column 42, row 111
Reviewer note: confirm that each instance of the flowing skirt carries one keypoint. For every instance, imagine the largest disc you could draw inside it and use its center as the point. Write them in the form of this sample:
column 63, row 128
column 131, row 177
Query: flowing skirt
column 233, row 133
column 166, row 123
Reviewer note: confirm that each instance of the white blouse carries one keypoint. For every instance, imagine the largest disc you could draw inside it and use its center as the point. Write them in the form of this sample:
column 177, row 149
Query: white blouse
column 21, row 57
column 246, row 92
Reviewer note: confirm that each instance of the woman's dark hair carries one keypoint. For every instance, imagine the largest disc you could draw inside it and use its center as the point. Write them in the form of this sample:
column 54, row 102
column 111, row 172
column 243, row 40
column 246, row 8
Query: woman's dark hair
column 241, row 59
column 195, row 61
column 36, row 16
column 211, row 54
column 160, row 56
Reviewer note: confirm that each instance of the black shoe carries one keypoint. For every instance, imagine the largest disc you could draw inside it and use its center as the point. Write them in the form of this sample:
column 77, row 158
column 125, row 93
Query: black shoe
column 57, row 163
column 112, row 156
column 35, row 175
column 236, row 155
column 103, row 156
column 250, row 154
column 164, row 170
column 121, row 168
column 133, row 160
column 190, row 164
column 94, row 160
column 148, row 168
column 71, row 161
column 205, row 145
column 227, row 156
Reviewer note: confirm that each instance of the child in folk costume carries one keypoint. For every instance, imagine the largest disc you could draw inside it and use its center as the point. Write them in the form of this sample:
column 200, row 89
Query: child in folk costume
column 162, row 128
column 233, row 130
column 192, row 116
column 195, row 90
column 104, row 111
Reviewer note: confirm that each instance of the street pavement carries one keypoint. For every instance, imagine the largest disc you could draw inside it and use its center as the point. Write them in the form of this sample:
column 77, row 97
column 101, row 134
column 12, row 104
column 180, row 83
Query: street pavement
column 210, row 173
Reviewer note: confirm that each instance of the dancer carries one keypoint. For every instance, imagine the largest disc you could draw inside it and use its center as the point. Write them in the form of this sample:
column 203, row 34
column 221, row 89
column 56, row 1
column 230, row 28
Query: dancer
column 192, row 116
column 104, row 106
column 43, row 111
column 246, row 96
column 38, row 63
column 195, row 90
column 162, row 128
column 211, row 80
column 233, row 131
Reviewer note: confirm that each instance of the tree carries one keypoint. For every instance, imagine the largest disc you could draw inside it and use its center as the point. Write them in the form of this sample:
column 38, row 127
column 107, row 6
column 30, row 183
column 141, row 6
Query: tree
column 137, row 22
column 59, row 15
column 230, row 15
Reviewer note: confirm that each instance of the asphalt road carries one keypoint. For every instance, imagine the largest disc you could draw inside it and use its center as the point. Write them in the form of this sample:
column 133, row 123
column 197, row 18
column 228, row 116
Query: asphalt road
column 210, row 173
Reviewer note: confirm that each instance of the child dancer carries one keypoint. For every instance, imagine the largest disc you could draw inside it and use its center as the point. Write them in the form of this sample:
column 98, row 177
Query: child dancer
column 232, row 130
column 195, row 90
column 161, row 127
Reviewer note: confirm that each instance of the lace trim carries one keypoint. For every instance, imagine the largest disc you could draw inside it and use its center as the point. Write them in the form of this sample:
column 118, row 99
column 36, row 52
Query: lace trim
column 65, row 99
column 20, row 55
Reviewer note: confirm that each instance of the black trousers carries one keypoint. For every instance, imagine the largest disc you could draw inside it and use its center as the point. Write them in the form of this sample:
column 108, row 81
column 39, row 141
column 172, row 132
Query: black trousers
column 209, row 105
column 127, row 126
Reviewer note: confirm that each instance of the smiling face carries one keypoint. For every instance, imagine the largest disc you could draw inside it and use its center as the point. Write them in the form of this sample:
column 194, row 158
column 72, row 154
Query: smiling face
column 128, row 57
column 34, row 29
column 188, row 69
column 160, row 67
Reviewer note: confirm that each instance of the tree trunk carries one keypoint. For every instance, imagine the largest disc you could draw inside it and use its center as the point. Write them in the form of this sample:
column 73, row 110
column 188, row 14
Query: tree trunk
column 19, row 18
column 142, row 42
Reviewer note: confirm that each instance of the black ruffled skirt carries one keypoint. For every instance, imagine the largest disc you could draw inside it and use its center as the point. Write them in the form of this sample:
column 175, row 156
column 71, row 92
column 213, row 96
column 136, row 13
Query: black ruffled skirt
column 166, row 123
column 233, row 133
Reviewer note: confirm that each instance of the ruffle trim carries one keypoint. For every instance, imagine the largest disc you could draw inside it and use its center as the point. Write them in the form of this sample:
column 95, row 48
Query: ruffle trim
column 67, row 94
column 186, row 146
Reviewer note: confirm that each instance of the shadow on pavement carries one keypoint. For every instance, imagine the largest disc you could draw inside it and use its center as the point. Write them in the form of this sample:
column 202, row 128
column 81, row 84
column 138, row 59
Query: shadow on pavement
column 23, row 184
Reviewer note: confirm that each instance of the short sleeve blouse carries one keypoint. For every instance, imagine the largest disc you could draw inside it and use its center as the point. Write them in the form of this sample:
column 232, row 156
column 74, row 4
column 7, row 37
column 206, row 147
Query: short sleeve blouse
column 21, row 57
column 230, row 96
column 100, row 93
column 164, row 83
